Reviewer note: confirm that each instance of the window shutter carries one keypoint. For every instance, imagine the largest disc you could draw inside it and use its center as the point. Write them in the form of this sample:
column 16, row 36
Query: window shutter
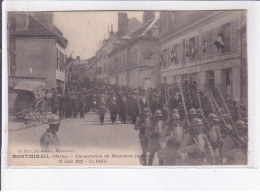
column 209, row 43
column 183, row 52
column 180, row 48
column 197, row 47
column 234, row 35
column 215, row 35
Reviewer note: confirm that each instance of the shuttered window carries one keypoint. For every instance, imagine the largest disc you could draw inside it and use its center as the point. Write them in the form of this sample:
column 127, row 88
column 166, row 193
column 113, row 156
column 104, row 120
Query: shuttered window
column 234, row 35
column 209, row 43
column 183, row 52
column 202, row 45
column 226, row 30
column 180, row 52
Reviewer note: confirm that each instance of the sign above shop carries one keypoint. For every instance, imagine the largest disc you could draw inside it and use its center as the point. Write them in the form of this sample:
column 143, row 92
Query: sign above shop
column 206, row 67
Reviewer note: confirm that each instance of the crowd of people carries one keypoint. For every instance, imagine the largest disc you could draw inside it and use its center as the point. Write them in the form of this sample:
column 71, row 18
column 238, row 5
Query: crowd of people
column 183, row 125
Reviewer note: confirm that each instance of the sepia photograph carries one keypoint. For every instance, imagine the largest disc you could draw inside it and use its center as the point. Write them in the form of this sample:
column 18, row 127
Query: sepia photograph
column 127, row 88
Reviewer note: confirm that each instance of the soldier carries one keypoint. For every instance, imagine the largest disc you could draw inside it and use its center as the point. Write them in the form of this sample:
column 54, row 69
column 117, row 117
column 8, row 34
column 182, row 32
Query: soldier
column 192, row 113
column 49, row 139
column 236, row 153
column 215, row 137
column 173, row 156
column 196, row 145
column 141, row 125
column 157, row 133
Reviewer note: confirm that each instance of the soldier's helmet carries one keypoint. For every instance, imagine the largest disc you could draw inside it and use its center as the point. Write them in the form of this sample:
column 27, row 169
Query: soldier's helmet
column 54, row 119
column 199, row 111
column 158, row 113
column 192, row 111
column 226, row 117
column 176, row 116
column 146, row 111
column 174, row 111
column 196, row 122
column 213, row 117
column 241, row 124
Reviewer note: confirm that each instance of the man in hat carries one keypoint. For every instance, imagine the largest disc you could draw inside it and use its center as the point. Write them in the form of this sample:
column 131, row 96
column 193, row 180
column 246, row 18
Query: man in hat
column 49, row 139
column 141, row 125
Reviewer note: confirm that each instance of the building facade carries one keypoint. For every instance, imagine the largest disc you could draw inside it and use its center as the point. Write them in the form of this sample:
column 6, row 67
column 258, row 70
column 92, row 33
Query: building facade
column 36, row 49
column 204, row 48
column 132, row 62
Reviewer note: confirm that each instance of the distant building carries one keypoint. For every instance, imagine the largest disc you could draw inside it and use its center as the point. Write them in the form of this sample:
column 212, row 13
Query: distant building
column 78, row 70
column 135, row 60
column 205, row 48
column 36, row 49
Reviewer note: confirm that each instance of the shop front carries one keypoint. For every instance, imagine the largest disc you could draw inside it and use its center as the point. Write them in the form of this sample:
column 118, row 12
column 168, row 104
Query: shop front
column 224, row 74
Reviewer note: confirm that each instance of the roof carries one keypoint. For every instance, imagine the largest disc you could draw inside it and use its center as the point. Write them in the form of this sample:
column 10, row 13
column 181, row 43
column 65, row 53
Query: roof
column 31, row 86
column 140, row 32
column 35, row 28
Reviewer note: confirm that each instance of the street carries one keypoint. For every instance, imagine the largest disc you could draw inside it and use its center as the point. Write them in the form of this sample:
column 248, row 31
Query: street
column 86, row 135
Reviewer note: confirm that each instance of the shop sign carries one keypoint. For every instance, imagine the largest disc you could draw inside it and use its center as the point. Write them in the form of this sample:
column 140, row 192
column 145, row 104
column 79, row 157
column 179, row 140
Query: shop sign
column 208, row 67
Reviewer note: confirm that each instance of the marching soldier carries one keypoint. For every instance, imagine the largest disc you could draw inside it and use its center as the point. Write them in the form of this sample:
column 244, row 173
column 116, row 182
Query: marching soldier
column 173, row 156
column 140, row 125
column 50, row 139
column 235, row 154
column 157, row 133
column 196, row 146
column 215, row 137
column 192, row 113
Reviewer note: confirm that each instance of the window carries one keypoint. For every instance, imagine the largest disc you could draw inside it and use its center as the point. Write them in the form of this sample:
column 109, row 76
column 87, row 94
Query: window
column 135, row 57
column 58, row 59
column 174, row 55
column 164, row 57
column 192, row 49
column 226, row 35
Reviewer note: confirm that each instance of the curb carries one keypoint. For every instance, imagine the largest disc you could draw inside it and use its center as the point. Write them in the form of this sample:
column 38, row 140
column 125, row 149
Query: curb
column 28, row 126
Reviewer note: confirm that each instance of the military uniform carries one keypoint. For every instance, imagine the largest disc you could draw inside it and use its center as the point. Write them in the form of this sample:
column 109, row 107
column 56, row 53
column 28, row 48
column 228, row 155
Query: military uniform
column 173, row 156
column 49, row 139
column 196, row 146
column 157, row 133
column 141, row 125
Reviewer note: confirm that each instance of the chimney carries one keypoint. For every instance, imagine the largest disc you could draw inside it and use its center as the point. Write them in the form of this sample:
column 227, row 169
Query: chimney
column 147, row 16
column 111, row 32
column 122, row 24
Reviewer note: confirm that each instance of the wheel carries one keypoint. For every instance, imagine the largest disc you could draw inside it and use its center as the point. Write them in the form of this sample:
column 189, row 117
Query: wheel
column 41, row 110
column 20, row 115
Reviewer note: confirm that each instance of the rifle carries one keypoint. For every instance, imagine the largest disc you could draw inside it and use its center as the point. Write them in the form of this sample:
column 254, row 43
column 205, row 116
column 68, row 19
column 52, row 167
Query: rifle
column 166, row 101
column 184, row 106
column 239, row 141
column 202, row 114
column 228, row 111
column 148, row 104
column 138, row 102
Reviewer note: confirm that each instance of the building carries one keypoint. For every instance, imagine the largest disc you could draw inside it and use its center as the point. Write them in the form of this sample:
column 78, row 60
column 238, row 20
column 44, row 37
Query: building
column 78, row 70
column 205, row 48
column 36, row 49
column 133, row 60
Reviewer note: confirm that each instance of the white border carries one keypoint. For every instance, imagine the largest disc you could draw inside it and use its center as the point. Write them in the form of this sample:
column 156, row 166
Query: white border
column 178, row 179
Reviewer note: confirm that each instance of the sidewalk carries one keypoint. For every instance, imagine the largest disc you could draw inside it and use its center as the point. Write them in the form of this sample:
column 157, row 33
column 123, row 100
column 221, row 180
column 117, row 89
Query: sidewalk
column 15, row 124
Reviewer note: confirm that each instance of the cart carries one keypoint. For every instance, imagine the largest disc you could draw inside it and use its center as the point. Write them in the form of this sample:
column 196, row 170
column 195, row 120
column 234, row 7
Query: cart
column 30, row 100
